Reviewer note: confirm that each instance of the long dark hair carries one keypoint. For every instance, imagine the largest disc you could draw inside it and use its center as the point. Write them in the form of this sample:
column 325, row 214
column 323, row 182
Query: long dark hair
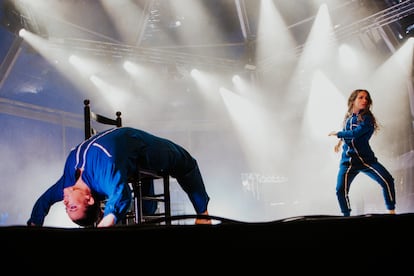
column 366, row 111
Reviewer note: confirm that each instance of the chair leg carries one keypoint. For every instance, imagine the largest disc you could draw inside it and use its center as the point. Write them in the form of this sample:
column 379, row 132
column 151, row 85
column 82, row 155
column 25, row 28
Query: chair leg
column 138, row 202
column 167, row 199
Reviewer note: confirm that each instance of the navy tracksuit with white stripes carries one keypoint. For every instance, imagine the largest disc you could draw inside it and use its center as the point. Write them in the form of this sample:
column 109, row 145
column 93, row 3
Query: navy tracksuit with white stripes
column 109, row 158
column 358, row 156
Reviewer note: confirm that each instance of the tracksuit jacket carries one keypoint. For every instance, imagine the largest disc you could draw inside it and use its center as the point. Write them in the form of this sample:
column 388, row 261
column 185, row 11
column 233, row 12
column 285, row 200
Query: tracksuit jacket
column 358, row 156
column 110, row 157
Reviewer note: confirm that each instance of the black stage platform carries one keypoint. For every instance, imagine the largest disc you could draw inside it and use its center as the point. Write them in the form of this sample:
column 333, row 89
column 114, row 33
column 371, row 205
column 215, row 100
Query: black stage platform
column 319, row 244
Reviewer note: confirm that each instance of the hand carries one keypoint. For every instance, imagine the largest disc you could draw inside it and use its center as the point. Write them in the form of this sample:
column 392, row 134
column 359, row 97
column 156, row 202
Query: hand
column 338, row 146
column 333, row 133
column 107, row 221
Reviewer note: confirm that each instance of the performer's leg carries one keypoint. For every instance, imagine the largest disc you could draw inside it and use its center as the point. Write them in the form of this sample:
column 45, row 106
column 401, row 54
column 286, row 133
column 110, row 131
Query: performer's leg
column 345, row 177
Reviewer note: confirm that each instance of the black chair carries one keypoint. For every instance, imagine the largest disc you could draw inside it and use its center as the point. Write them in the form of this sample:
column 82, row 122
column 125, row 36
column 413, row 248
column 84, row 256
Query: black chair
column 89, row 114
column 136, row 215
column 139, row 198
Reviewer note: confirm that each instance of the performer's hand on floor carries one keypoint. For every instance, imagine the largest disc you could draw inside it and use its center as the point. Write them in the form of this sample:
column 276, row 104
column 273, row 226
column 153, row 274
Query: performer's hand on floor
column 108, row 220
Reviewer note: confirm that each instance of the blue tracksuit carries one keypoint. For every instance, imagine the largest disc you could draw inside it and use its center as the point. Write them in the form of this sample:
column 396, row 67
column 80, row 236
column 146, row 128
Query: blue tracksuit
column 110, row 157
column 357, row 156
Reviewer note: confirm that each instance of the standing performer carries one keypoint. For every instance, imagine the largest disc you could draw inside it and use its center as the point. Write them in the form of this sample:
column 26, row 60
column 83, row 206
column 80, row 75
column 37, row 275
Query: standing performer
column 357, row 155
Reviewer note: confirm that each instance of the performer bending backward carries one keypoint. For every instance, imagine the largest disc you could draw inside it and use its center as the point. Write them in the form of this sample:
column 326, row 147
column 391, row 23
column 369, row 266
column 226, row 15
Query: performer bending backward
column 99, row 168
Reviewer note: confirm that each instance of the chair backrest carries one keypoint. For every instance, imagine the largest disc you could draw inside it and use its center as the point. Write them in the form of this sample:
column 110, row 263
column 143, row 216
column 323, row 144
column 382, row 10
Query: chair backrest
column 89, row 115
column 136, row 181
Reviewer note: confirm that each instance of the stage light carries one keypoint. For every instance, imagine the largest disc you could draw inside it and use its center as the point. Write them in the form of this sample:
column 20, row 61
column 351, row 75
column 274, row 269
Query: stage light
column 22, row 32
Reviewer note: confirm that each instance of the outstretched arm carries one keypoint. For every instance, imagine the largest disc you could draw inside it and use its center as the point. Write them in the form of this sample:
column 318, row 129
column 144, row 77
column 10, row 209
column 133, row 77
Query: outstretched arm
column 44, row 202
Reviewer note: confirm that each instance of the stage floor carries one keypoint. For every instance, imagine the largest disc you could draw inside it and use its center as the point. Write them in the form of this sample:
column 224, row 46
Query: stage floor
column 375, row 242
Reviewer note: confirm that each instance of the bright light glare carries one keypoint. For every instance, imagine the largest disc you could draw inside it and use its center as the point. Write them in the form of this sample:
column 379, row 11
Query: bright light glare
column 347, row 57
column 324, row 99
column 22, row 33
